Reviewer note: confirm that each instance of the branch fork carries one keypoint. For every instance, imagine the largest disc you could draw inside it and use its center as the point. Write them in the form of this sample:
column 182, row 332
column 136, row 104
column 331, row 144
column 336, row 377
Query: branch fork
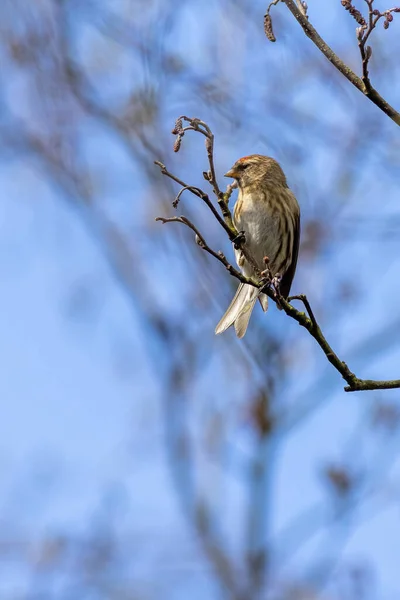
column 363, row 32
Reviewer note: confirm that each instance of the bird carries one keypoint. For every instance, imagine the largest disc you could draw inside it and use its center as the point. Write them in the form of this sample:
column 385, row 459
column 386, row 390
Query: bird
column 268, row 214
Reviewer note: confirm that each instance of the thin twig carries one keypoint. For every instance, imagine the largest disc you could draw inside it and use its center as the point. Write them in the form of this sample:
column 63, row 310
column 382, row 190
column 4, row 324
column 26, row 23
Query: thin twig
column 200, row 194
column 202, row 127
column 229, row 191
column 203, row 244
column 367, row 90
column 363, row 33
column 304, row 300
column 223, row 198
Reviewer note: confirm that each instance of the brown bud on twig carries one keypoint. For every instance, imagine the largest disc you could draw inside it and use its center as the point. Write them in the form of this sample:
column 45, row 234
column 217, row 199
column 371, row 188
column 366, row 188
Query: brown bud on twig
column 178, row 128
column 386, row 24
column 268, row 28
column 368, row 52
column 177, row 143
column 389, row 17
column 267, row 271
column 354, row 13
column 198, row 241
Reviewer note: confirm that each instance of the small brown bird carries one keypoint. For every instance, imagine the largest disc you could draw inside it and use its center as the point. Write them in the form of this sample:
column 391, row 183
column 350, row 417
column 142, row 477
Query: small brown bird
column 268, row 213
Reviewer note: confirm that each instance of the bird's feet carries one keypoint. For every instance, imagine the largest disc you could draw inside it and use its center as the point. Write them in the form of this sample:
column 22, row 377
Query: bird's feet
column 239, row 240
column 276, row 284
column 276, row 287
column 273, row 281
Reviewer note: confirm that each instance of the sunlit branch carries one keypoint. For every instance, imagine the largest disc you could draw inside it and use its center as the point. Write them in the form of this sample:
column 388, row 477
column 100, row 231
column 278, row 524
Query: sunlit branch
column 364, row 84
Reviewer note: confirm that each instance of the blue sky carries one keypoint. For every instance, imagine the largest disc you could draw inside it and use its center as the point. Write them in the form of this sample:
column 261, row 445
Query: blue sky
column 82, row 420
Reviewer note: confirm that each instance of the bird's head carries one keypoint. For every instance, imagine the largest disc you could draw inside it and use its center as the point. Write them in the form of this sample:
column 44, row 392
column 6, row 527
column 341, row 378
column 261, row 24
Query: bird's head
column 256, row 169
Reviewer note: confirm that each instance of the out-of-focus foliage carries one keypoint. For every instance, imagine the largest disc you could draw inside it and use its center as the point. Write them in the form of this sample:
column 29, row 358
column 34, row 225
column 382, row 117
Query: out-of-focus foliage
column 280, row 477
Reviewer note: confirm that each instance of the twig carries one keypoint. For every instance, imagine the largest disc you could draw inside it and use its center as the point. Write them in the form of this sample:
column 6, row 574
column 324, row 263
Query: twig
column 363, row 33
column 198, row 125
column 226, row 222
column 366, row 51
column 304, row 300
column 354, row 383
column 203, row 244
column 364, row 88
column 231, row 231
column 229, row 191
column 265, row 280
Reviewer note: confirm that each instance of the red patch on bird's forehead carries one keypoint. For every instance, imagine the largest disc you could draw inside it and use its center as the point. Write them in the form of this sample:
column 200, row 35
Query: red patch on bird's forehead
column 244, row 159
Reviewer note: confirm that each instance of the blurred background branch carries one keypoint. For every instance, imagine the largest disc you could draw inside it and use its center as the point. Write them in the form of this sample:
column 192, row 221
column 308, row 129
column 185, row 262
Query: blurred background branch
column 142, row 456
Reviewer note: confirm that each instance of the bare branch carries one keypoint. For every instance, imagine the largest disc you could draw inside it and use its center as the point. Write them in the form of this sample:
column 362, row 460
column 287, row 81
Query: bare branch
column 231, row 231
column 363, row 33
column 364, row 84
column 203, row 244
column 198, row 125
column 265, row 280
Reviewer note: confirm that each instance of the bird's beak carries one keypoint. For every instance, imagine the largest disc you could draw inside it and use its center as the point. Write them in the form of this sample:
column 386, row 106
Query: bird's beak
column 231, row 173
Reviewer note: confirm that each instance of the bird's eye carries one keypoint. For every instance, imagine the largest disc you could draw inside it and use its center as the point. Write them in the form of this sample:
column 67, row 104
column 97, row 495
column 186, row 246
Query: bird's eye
column 245, row 165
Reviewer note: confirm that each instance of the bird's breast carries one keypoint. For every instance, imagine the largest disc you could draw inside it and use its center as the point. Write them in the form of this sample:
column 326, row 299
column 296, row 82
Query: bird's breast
column 254, row 216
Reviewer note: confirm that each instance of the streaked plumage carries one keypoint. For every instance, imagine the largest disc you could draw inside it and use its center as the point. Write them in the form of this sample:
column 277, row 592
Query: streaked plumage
column 268, row 212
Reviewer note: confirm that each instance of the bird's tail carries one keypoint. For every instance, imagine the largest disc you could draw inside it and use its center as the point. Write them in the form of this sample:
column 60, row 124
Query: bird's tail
column 240, row 309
